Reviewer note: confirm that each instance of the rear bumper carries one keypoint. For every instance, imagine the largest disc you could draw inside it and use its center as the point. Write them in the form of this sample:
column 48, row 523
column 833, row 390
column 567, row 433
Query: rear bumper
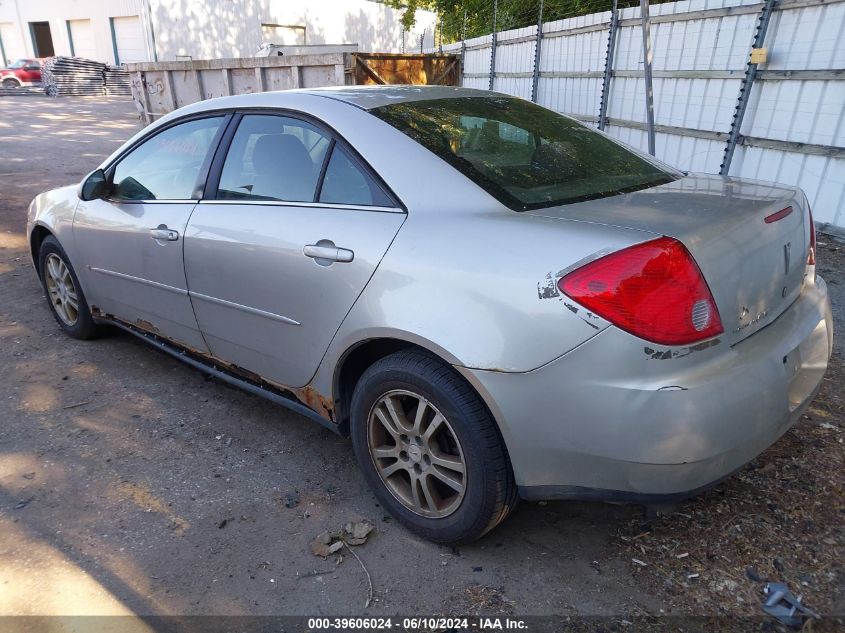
column 621, row 420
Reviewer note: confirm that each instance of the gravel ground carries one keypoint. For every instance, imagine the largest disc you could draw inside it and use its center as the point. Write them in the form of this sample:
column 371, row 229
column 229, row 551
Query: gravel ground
column 132, row 484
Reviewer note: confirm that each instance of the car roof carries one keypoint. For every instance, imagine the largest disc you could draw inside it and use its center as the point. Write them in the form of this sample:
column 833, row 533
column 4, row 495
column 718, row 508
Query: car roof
column 363, row 97
column 369, row 97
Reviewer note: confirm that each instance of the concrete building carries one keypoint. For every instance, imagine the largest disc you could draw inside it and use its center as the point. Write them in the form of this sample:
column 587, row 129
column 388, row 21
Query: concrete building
column 117, row 31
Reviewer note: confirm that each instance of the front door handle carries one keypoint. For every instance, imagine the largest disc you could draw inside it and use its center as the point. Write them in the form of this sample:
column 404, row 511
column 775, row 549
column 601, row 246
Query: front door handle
column 164, row 234
column 326, row 253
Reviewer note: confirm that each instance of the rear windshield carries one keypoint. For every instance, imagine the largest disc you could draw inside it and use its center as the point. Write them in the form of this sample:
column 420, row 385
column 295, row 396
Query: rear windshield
column 526, row 156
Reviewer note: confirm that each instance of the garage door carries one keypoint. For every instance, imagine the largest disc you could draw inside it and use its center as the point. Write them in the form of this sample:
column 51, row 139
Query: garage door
column 128, row 39
column 82, row 39
column 12, row 44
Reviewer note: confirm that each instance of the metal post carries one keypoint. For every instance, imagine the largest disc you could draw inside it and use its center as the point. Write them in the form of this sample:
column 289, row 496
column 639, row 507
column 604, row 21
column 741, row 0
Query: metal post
column 536, row 78
column 649, row 91
column 422, row 39
column 403, row 39
column 745, row 87
column 464, row 47
column 608, row 66
column 152, row 30
column 493, row 45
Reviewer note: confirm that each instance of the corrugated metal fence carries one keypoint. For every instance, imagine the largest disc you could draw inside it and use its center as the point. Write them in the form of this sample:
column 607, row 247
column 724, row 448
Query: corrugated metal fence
column 793, row 129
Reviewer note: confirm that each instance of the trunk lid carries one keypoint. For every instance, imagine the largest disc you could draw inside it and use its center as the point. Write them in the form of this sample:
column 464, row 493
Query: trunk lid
column 755, row 268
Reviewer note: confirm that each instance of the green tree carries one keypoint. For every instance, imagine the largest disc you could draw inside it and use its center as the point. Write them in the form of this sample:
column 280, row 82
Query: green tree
column 475, row 17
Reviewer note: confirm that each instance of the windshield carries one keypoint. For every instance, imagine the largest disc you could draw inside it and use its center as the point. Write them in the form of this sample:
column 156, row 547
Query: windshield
column 526, row 156
column 17, row 64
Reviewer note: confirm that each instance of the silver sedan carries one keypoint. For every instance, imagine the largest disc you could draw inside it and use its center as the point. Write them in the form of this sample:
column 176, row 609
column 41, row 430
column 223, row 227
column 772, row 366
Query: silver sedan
column 494, row 300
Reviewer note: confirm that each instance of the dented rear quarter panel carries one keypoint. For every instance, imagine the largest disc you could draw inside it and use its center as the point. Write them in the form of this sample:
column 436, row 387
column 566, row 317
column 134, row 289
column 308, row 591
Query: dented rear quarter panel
column 618, row 414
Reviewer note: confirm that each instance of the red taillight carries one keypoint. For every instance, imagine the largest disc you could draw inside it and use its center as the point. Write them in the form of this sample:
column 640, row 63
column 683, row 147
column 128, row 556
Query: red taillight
column 653, row 290
column 780, row 215
column 811, row 258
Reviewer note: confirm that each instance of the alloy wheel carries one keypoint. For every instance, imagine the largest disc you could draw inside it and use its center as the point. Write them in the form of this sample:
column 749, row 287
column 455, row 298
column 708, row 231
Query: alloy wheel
column 417, row 453
column 61, row 289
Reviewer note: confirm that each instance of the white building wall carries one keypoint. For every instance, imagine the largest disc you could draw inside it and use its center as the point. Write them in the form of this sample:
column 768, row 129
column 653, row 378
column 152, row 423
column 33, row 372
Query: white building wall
column 207, row 29
column 232, row 28
column 20, row 13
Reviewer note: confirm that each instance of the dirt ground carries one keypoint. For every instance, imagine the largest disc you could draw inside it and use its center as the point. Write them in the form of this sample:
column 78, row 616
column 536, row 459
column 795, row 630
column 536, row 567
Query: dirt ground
column 130, row 483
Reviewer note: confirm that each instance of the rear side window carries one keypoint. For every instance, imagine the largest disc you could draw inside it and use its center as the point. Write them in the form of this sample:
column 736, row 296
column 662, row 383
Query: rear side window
column 346, row 183
column 273, row 158
column 526, row 156
column 166, row 166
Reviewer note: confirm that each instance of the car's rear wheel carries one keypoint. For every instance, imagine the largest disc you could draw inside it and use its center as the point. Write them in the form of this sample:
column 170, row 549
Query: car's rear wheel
column 429, row 448
column 64, row 294
column 10, row 83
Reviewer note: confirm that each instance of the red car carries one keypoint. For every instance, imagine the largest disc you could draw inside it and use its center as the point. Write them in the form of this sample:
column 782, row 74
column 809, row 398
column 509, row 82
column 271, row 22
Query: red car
column 23, row 72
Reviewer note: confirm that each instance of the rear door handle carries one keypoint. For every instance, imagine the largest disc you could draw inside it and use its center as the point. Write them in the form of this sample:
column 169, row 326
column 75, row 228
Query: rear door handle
column 164, row 234
column 325, row 253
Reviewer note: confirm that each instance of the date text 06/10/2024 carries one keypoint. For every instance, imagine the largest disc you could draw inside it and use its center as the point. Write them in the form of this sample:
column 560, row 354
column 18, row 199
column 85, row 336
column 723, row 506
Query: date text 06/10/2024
column 418, row 623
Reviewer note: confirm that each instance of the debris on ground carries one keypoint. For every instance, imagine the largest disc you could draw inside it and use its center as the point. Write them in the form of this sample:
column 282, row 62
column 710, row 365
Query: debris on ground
column 357, row 532
column 483, row 599
column 23, row 503
column 752, row 574
column 291, row 500
column 353, row 533
column 76, row 404
column 325, row 544
column 367, row 572
column 784, row 605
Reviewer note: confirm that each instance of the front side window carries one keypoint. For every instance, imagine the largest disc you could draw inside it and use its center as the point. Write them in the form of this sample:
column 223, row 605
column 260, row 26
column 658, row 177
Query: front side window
column 526, row 156
column 167, row 166
column 273, row 158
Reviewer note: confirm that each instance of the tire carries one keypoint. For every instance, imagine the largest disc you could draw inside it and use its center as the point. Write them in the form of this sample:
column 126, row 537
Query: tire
column 465, row 436
column 75, row 322
column 10, row 83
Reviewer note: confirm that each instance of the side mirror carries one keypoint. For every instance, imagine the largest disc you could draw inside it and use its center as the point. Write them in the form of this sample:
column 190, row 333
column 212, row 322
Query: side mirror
column 94, row 187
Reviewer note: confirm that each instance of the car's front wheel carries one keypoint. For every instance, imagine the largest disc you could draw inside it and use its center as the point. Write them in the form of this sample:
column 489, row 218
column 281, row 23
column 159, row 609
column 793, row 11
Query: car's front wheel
column 429, row 448
column 64, row 294
column 10, row 83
